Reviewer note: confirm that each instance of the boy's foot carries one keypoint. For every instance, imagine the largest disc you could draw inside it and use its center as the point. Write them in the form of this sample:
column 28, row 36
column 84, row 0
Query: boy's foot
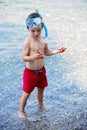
column 41, row 106
column 44, row 106
column 22, row 115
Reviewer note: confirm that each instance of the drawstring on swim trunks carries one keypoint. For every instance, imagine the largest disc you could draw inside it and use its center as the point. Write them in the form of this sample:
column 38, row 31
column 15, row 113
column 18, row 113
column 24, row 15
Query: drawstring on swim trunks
column 38, row 71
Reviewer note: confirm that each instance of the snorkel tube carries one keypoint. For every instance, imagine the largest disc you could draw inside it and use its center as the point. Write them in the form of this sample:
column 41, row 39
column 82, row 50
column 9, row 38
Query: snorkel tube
column 46, row 30
column 44, row 27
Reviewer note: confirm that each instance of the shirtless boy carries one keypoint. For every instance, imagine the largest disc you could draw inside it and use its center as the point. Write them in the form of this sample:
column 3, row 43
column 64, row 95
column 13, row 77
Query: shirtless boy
column 34, row 52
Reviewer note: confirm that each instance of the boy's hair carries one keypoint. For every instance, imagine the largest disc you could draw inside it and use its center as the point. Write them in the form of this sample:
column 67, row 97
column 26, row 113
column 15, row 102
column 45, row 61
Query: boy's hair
column 35, row 15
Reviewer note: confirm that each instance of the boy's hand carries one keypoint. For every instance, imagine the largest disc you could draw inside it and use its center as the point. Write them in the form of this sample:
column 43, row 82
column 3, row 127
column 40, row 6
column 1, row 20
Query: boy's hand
column 39, row 55
column 61, row 50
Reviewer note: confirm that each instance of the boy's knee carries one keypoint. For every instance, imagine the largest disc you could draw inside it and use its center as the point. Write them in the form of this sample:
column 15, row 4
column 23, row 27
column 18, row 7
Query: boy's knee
column 26, row 95
column 40, row 90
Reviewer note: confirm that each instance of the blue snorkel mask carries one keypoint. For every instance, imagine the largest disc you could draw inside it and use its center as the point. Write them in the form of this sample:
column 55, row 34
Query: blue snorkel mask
column 33, row 22
column 36, row 22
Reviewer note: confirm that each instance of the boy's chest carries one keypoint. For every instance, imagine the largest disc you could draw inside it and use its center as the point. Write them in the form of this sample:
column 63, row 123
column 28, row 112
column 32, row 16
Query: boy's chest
column 37, row 47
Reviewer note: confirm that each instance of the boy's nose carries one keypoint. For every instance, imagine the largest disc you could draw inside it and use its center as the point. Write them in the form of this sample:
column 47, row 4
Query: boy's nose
column 36, row 33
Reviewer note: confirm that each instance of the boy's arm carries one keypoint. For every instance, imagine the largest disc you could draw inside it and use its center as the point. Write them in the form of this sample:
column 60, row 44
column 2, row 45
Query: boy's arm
column 25, row 56
column 53, row 52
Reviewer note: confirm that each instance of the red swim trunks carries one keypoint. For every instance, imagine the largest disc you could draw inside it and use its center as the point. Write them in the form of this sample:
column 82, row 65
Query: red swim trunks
column 34, row 78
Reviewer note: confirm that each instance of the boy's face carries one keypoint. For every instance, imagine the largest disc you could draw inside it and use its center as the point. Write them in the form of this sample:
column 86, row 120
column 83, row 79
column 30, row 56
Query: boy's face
column 35, row 31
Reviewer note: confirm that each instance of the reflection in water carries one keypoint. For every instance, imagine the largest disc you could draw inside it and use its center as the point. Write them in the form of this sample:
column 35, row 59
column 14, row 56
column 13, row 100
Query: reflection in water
column 40, row 122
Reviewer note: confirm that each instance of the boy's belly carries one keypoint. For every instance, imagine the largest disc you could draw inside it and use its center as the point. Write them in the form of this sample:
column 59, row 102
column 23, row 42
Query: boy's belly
column 36, row 64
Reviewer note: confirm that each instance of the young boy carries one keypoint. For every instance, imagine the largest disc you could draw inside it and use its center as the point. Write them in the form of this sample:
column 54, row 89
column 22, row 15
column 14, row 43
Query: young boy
column 34, row 52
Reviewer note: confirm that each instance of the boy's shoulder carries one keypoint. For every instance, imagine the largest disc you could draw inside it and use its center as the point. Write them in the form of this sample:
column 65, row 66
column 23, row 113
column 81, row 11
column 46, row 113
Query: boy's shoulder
column 27, row 40
column 44, row 40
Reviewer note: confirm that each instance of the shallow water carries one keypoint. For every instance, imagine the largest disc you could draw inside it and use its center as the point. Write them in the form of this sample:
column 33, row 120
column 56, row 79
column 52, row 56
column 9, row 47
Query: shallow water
column 66, row 95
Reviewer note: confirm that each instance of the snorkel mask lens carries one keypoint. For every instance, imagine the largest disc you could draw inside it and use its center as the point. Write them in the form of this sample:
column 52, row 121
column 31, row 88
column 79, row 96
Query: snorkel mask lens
column 32, row 22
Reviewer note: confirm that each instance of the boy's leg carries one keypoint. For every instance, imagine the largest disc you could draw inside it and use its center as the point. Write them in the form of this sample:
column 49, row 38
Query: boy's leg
column 23, row 104
column 40, row 95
